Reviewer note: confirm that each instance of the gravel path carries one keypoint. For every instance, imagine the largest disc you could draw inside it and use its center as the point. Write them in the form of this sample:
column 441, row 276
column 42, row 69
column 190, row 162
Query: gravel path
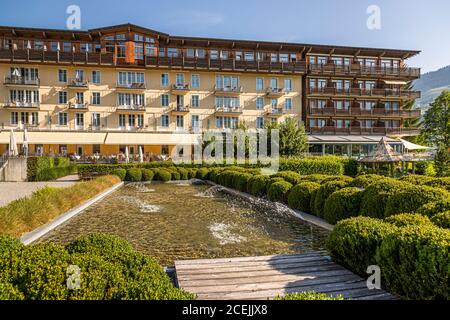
column 10, row 191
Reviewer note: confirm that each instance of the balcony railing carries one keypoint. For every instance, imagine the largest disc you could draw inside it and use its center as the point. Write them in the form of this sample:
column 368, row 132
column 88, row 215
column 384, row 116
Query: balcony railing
column 131, row 107
column 357, row 130
column 228, row 89
column 180, row 109
column 21, row 104
column 56, row 56
column 357, row 92
column 134, row 85
column 376, row 112
column 231, row 110
column 361, row 70
column 78, row 83
column 13, row 80
column 78, row 105
column 181, row 87
column 227, row 64
column 275, row 112
column 275, row 92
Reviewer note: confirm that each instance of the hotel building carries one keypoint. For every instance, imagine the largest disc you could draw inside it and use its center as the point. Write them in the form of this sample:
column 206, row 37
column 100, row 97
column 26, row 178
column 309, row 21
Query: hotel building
column 102, row 90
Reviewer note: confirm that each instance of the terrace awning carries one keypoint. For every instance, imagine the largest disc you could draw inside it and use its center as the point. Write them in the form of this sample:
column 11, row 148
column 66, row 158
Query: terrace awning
column 336, row 139
column 412, row 146
column 395, row 82
column 116, row 138
column 78, row 138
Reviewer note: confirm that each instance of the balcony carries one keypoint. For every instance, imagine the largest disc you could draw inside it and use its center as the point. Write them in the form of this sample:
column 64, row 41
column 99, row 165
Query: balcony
column 227, row 65
column 131, row 108
column 353, row 70
column 180, row 110
column 181, row 88
column 78, row 84
column 79, row 106
column 25, row 55
column 275, row 92
column 21, row 81
column 376, row 112
column 228, row 90
column 139, row 86
column 357, row 92
column 229, row 110
column 275, row 112
column 357, row 130
column 21, row 105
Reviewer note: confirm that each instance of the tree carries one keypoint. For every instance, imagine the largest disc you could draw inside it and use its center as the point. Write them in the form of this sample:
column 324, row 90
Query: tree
column 436, row 122
column 442, row 161
column 293, row 139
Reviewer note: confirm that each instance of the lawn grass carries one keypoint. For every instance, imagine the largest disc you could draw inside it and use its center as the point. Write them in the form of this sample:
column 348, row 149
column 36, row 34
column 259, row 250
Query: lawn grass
column 24, row 215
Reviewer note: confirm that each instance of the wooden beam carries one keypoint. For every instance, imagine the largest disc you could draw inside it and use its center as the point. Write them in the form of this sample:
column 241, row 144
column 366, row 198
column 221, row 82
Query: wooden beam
column 44, row 34
column 332, row 51
column 357, row 52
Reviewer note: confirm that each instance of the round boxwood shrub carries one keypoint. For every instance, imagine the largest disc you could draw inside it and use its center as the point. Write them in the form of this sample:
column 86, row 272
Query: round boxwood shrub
column 300, row 196
column 202, row 173
column 323, row 193
column 346, row 179
column 408, row 219
column 147, row 174
column 442, row 220
column 279, row 191
column 163, row 175
column 410, row 199
column 443, row 182
column 184, row 174
column 273, row 180
column 192, row 173
column 376, row 195
column 257, row 185
column 366, row 180
column 353, row 242
column 415, row 262
column 10, row 292
column 121, row 173
column 417, row 179
column 342, row 204
column 240, row 181
column 133, row 175
column 432, row 208
column 318, row 178
column 289, row 176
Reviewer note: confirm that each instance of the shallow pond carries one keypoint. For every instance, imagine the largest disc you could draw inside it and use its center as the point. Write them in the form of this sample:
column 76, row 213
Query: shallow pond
column 183, row 221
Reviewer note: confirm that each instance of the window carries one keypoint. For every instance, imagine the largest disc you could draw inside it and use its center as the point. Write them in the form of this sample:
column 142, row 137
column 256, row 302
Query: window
column 195, row 81
column 96, row 77
column 259, row 84
column 96, row 119
column 86, row 47
column 62, row 75
column 321, row 83
column 214, row 54
column 24, row 117
column 95, row 148
column 131, row 120
column 165, row 150
column 140, row 120
column 150, row 50
column 288, row 104
column 172, row 52
column 14, row 118
column 95, row 98
column 165, row 121
column 62, row 118
column 288, row 85
column 139, row 51
column 274, row 83
column 179, row 79
column 284, row 57
column 219, row 122
column 79, row 119
column 164, row 100
column 79, row 75
column 130, row 78
column 121, row 120
column 249, row 56
column 227, row 102
column 227, row 82
column 274, row 57
column 238, row 55
column 164, row 80
column 195, row 101
column 274, row 103
column 67, row 47
column 34, row 118
column 180, row 121
column 121, row 50
column 62, row 97
column 259, row 122
column 79, row 97
column 129, row 99
column 260, row 103
column 195, row 121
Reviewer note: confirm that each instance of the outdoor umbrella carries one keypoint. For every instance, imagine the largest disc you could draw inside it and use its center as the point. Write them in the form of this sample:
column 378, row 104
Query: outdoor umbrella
column 58, row 47
column 25, row 142
column 12, row 145
column 29, row 45
column 141, row 155
column 16, row 73
column 127, row 156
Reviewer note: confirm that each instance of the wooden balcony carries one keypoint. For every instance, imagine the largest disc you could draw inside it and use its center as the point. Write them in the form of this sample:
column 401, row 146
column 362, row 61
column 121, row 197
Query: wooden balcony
column 137, row 86
column 275, row 92
column 131, row 108
column 356, row 130
column 181, row 88
column 25, row 55
column 230, row 90
column 179, row 110
column 20, row 105
column 78, row 84
column 21, row 81
column 354, row 70
column 83, row 106
column 229, row 110
column 227, row 65
column 357, row 92
column 376, row 112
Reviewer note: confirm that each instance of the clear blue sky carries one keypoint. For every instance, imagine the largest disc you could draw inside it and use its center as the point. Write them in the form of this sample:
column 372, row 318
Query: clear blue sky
column 405, row 24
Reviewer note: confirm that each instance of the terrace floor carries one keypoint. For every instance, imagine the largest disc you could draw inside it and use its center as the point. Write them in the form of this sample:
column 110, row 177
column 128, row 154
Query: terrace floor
column 262, row 278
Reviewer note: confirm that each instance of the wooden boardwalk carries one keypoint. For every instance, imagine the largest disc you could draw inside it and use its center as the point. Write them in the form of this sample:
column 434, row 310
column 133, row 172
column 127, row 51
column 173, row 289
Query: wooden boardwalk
column 262, row 278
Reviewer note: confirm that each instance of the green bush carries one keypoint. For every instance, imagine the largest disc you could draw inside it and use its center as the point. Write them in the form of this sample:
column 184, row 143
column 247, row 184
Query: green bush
column 425, row 168
column 300, row 196
column 440, row 183
column 274, row 180
column 366, row 180
column 442, row 220
column 121, row 173
column 415, row 262
column 342, row 204
column 418, row 179
column 10, row 292
column 184, row 173
column 289, row 176
column 323, row 193
column 163, row 175
column 202, row 173
column 318, row 178
column 62, row 162
column 241, row 180
column 348, row 180
column 315, row 165
column 376, row 195
column 278, row 191
column 432, row 208
column 147, row 174
column 35, row 165
column 410, row 199
column 257, row 185
column 133, row 175
column 408, row 219
column 353, row 242
column 310, row 296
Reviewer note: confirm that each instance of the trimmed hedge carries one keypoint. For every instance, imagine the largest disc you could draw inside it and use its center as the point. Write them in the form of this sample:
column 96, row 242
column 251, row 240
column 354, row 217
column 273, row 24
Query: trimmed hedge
column 432, row 208
column 323, row 193
column 329, row 165
column 408, row 219
column 133, row 175
column 289, row 176
column 257, row 185
column 147, row 174
column 48, row 168
column 366, row 180
column 415, row 262
column 279, row 191
column 202, row 173
column 417, row 179
column 300, row 196
column 342, row 204
column 184, row 173
column 442, row 220
column 121, row 173
column 163, row 175
column 240, row 181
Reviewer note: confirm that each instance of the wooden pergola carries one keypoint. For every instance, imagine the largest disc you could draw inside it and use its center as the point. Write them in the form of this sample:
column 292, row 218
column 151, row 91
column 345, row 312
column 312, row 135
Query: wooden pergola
column 383, row 154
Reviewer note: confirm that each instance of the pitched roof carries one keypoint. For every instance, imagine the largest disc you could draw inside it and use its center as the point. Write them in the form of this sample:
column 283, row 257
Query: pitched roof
column 383, row 153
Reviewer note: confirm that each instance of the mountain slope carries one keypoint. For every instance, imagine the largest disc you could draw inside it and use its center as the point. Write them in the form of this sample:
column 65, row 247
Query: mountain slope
column 432, row 84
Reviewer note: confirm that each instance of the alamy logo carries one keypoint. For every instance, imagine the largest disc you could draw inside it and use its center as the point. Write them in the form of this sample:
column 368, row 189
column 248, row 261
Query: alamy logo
column 374, row 19
column 73, row 21
column 374, row 281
